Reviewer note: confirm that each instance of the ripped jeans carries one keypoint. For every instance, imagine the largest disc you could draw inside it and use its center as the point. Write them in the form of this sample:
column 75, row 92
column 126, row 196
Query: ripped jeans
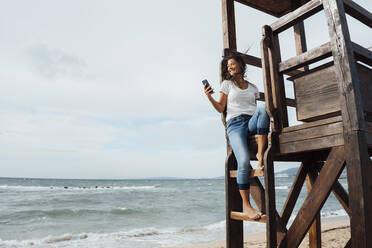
column 238, row 130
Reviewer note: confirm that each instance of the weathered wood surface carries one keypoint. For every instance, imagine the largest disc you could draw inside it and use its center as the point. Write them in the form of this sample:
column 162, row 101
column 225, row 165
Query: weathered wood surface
column 316, row 135
column 362, row 54
column 315, row 229
column 293, row 194
column 254, row 173
column 359, row 185
column 314, row 69
column 297, row 16
column 234, row 228
column 243, row 216
column 306, row 58
column 312, row 124
column 316, row 198
column 311, row 133
column 357, row 159
column 266, row 73
column 272, row 7
column 271, row 215
column 228, row 24
column 276, row 80
column 317, row 95
column 358, row 12
column 315, row 144
column 299, row 35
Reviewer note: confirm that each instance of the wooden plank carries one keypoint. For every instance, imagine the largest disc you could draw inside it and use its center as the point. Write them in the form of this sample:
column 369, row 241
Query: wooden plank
column 317, row 95
column 316, row 198
column 243, row 216
column 313, row 124
column 271, row 7
column 251, row 60
column 315, row 229
column 296, row 16
column 317, row 68
column 293, row 194
column 312, row 144
column 312, row 132
column 306, row 58
column 358, row 12
column 254, row 173
column 300, row 37
column 228, row 24
column 362, row 54
column 357, row 158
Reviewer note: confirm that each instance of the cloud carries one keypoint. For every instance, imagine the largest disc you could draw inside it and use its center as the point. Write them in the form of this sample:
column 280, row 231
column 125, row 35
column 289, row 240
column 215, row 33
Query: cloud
column 53, row 63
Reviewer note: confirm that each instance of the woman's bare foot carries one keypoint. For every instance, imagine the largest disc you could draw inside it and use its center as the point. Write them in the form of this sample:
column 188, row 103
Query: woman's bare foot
column 252, row 213
column 260, row 161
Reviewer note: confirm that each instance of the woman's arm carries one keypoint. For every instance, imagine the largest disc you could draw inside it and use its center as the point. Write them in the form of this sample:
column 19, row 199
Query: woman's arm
column 219, row 105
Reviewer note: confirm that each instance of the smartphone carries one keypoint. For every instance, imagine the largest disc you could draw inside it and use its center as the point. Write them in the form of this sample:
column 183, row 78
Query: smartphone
column 205, row 83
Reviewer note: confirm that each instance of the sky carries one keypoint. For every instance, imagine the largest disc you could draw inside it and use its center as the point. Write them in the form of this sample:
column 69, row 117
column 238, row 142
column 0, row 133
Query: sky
column 112, row 89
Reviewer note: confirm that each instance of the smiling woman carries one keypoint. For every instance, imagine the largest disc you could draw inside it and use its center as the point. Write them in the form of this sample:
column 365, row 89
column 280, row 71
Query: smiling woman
column 243, row 118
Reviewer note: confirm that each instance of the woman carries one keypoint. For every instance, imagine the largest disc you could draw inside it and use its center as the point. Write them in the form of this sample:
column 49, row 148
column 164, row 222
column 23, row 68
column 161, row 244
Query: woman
column 243, row 118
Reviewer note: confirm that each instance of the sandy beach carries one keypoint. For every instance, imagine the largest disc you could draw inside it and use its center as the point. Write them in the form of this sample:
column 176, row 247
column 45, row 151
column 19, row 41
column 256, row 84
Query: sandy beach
column 335, row 234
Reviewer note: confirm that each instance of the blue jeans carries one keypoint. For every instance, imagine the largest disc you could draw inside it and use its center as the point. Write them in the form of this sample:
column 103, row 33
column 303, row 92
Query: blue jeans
column 238, row 130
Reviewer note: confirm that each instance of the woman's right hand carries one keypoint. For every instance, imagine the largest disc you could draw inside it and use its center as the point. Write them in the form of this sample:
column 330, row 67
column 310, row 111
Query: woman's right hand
column 208, row 91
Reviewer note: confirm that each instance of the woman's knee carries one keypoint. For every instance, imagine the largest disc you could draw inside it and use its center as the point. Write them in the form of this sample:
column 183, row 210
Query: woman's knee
column 262, row 109
column 244, row 163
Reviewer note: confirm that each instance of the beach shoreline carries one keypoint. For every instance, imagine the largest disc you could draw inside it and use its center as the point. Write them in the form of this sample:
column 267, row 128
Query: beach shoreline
column 335, row 233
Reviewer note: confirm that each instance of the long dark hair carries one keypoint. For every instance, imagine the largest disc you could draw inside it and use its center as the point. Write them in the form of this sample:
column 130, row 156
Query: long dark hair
column 224, row 73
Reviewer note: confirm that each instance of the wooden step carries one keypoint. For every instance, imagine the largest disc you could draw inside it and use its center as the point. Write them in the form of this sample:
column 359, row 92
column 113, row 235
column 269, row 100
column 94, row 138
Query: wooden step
column 254, row 173
column 243, row 216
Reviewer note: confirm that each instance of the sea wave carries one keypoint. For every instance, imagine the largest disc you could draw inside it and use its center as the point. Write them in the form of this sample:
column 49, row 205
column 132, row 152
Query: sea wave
column 57, row 213
column 156, row 236
column 281, row 187
column 340, row 212
column 95, row 188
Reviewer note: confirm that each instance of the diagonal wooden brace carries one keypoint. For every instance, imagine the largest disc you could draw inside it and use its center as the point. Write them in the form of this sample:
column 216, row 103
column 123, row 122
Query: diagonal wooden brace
column 316, row 198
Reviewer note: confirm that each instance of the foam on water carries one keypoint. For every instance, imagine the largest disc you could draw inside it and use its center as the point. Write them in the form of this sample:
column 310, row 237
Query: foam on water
column 140, row 237
column 95, row 188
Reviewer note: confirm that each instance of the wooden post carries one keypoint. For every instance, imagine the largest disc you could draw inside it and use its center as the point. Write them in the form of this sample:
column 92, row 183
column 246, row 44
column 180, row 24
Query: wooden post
column 271, row 214
column 356, row 150
column 234, row 228
column 277, row 81
column 314, row 231
column 299, row 35
column 228, row 24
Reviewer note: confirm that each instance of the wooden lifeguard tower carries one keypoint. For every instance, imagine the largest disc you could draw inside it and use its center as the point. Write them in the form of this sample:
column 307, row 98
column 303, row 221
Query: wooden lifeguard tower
column 334, row 102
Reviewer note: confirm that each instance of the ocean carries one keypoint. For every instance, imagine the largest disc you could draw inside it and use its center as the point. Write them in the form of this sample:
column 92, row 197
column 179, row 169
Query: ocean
column 123, row 213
